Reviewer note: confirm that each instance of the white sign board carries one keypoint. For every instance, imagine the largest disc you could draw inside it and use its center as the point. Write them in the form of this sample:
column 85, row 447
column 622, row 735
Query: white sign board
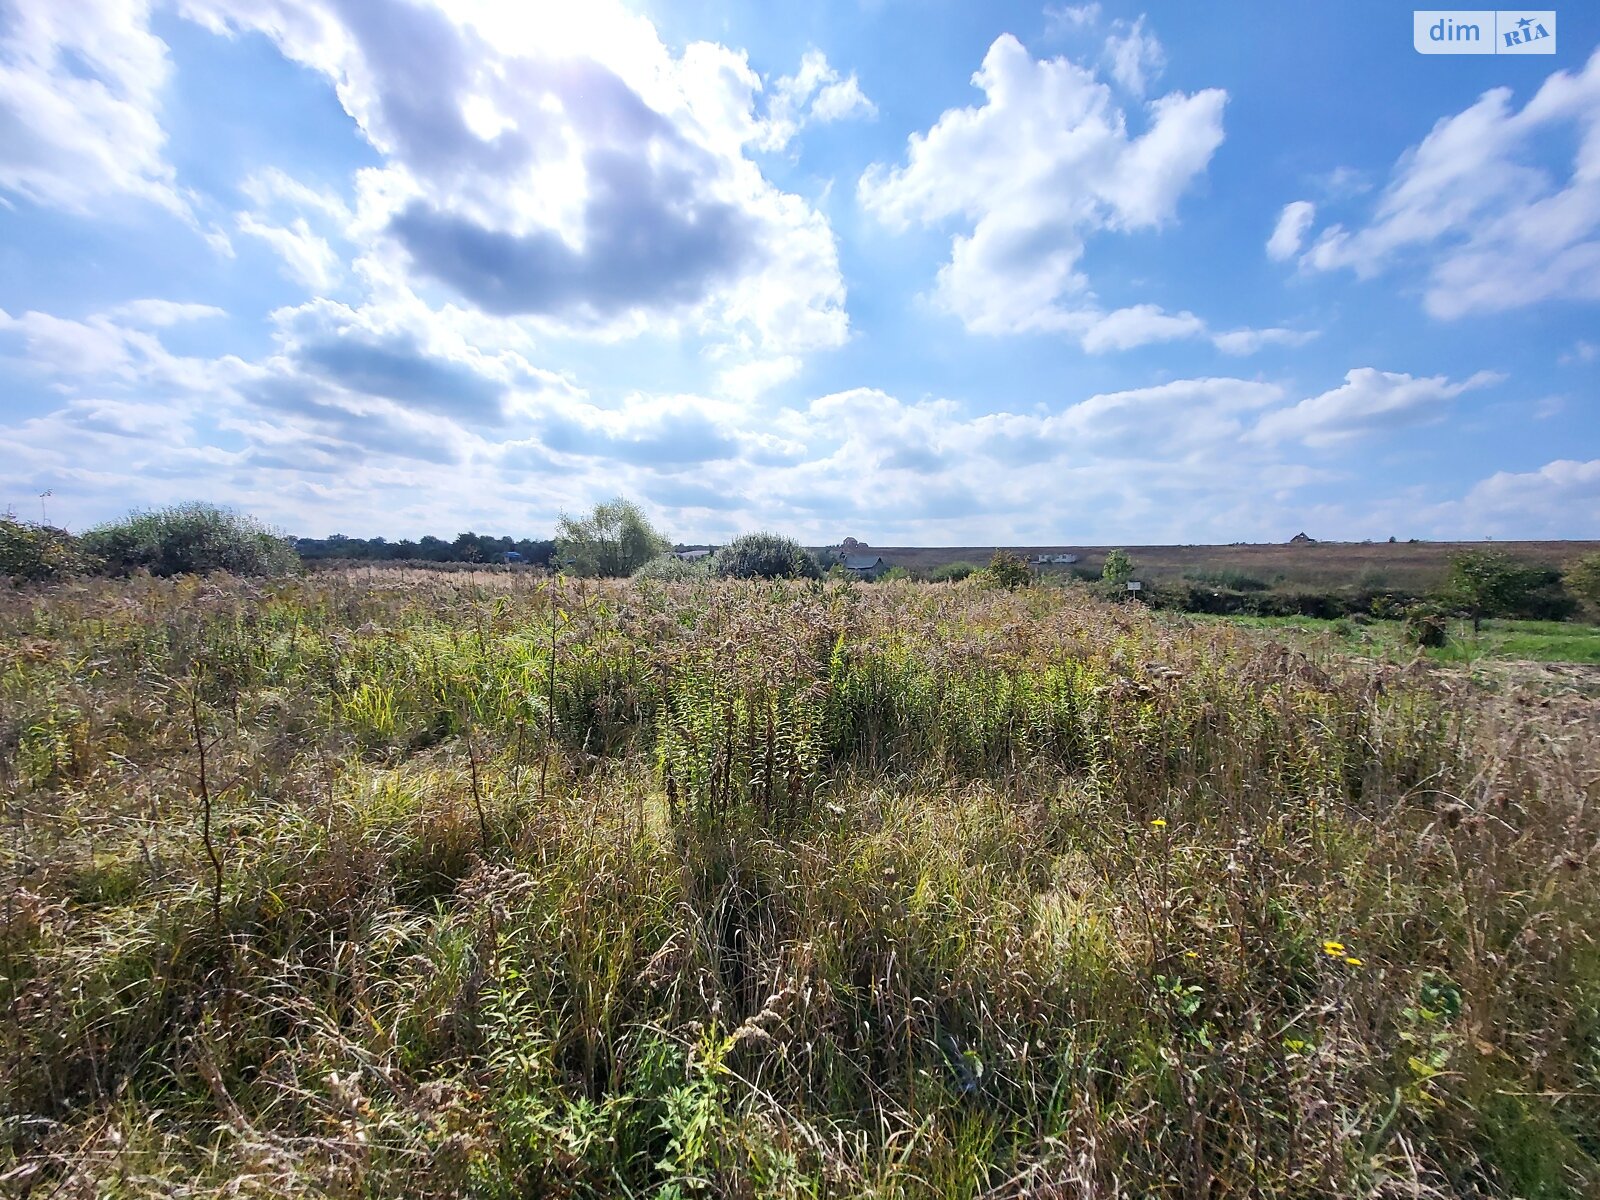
column 1134, row 585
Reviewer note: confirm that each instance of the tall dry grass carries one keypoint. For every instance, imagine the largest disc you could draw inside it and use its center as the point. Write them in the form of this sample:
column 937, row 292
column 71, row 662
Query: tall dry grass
column 500, row 886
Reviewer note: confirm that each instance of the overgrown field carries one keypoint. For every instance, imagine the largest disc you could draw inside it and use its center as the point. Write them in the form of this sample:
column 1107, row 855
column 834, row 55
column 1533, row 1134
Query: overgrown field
column 509, row 887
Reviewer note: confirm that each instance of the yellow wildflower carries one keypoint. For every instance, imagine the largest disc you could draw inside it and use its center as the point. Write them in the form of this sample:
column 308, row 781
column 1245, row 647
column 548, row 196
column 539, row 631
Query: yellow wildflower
column 1158, row 823
column 1354, row 962
column 1333, row 949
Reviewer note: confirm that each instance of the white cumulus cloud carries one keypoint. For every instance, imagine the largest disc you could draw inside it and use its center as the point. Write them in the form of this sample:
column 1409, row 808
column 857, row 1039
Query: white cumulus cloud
column 1045, row 162
column 563, row 166
column 816, row 93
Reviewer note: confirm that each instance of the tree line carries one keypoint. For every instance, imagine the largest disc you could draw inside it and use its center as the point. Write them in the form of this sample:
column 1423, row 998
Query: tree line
column 464, row 548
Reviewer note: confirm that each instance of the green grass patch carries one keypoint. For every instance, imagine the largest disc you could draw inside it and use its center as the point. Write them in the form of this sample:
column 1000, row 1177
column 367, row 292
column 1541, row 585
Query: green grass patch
column 1533, row 641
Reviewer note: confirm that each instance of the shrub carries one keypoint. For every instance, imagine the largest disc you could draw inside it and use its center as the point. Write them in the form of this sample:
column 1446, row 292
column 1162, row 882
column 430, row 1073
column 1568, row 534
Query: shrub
column 766, row 556
column 669, row 568
column 1007, row 570
column 190, row 539
column 1582, row 578
column 1425, row 627
column 33, row 553
column 1386, row 606
column 1227, row 577
column 953, row 572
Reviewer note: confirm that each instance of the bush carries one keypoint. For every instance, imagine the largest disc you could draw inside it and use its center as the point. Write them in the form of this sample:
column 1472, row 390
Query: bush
column 33, row 553
column 953, row 572
column 1582, row 578
column 1227, row 577
column 190, row 539
column 1387, row 606
column 766, row 556
column 1007, row 570
column 669, row 568
column 1425, row 627
column 1330, row 605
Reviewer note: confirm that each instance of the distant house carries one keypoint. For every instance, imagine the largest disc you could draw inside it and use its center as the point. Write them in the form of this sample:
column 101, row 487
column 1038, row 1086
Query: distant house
column 1043, row 560
column 691, row 555
column 511, row 556
column 864, row 566
column 1302, row 539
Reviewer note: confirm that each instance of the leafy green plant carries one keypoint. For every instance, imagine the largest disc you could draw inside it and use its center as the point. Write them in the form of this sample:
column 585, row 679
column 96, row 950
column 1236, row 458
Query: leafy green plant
column 33, row 553
column 1582, row 579
column 1007, row 570
column 1233, row 580
column 1426, row 627
column 669, row 568
column 1118, row 568
column 765, row 556
column 190, row 539
column 953, row 572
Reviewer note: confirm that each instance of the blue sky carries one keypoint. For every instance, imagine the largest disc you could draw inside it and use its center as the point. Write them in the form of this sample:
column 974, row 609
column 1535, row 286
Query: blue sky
column 919, row 272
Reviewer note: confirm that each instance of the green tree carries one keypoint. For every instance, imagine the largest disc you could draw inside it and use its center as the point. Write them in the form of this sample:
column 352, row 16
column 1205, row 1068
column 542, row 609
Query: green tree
column 766, row 556
column 1007, row 570
column 615, row 539
column 469, row 547
column 1118, row 568
column 1489, row 583
column 1582, row 579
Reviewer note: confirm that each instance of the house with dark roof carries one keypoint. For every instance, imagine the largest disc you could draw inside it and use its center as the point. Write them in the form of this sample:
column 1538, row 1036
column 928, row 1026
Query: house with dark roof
column 864, row 566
